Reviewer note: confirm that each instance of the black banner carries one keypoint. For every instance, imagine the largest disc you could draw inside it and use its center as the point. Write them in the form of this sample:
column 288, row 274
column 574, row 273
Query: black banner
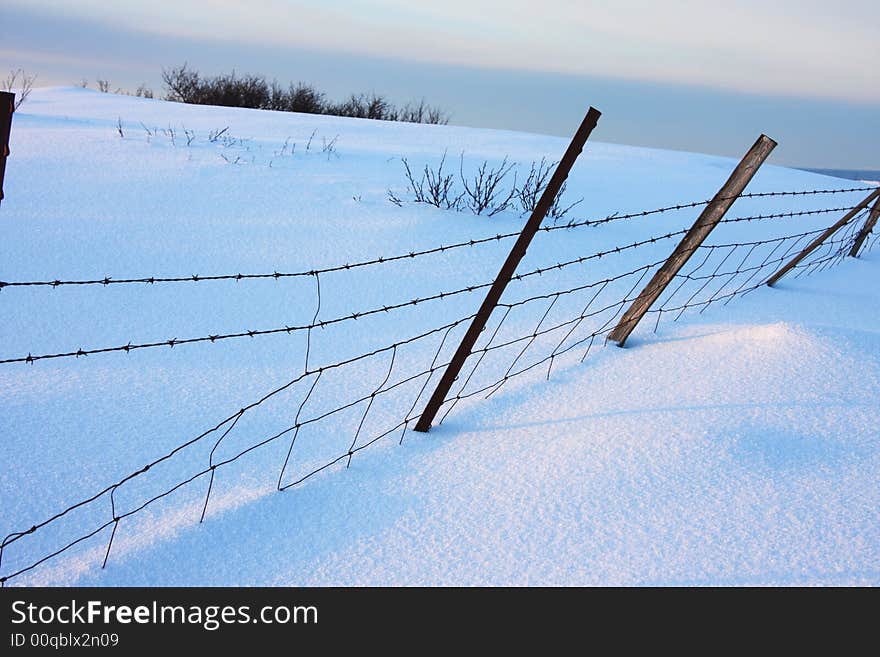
column 121, row 620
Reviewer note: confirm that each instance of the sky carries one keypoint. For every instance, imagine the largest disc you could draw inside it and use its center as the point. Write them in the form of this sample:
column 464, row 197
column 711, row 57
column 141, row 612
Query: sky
column 681, row 74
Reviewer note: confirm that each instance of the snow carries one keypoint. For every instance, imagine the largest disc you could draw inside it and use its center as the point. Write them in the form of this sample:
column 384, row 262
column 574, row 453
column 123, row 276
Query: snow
column 735, row 446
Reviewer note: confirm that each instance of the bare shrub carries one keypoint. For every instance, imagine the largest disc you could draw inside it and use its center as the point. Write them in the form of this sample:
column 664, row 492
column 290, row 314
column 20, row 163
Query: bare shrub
column 484, row 192
column 215, row 135
column 305, row 99
column 285, row 147
column 234, row 91
column 19, row 83
column 187, row 86
column 422, row 113
column 379, row 108
column 394, row 198
column 434, row 187
column 229, row 90
column 328, row 146
column 147, row 130
column 277, row 97
column 558, row 211
column 182, row 84
column 104, row 86
column 533, row 187
column 363, row 106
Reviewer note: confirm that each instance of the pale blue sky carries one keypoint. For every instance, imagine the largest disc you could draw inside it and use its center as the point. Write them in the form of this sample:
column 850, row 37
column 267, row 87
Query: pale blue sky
column 686, row 74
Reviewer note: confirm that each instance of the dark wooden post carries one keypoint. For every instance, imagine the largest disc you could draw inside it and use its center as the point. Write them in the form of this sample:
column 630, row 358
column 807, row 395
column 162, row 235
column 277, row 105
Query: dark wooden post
column 708, row 219
column 7, row 107
column 816, row 243
column 866, row 230
column 508, row 269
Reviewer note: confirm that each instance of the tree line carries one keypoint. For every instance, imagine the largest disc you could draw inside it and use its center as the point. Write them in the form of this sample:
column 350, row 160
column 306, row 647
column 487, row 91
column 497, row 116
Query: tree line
column 185, row 85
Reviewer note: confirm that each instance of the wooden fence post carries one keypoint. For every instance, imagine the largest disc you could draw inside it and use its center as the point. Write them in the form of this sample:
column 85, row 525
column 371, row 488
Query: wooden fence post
column 7, row 107
column 508, row 269
column 816, row 243
column 708, row 219
column 866, row 230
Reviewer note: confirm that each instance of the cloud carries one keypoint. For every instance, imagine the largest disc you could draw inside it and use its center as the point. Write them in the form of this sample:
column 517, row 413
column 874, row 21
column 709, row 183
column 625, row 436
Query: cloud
column 786, row 48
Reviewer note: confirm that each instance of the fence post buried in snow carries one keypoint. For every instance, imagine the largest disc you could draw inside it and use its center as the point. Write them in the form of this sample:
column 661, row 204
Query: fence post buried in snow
column 508, row 269
column 708, row 219
column 866, row 230
column 7, row 107
column 816, row 243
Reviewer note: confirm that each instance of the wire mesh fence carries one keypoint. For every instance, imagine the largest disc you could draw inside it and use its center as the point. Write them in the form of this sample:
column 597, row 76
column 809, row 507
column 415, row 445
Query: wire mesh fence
column 554, row 315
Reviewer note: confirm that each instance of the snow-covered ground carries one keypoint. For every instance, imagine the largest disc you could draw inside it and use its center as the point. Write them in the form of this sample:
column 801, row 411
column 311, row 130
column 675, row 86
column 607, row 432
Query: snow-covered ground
column 736, row 446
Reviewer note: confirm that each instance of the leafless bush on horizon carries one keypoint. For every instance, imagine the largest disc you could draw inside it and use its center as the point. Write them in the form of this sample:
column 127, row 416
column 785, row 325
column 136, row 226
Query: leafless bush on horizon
column 19, row 83
column 185, row 85
column 143, row 91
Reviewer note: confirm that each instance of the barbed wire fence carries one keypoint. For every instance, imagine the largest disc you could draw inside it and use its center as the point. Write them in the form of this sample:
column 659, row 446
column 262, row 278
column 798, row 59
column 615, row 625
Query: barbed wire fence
column 567, row 322
column 381, row 260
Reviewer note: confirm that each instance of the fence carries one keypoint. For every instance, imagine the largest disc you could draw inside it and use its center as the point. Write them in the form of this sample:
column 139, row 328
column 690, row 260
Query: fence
column 7, row 107
column 550, row 316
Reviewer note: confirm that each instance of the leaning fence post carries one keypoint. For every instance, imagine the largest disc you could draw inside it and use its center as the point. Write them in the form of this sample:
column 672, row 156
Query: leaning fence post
column 7, row 107
column 866, row 230
column 816, row 243
column 508, row 269
column 708, row 219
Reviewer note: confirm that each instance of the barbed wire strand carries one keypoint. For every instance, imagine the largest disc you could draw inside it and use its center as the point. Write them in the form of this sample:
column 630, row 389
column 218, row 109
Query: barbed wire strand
column 129, row 347
column 382, row 260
